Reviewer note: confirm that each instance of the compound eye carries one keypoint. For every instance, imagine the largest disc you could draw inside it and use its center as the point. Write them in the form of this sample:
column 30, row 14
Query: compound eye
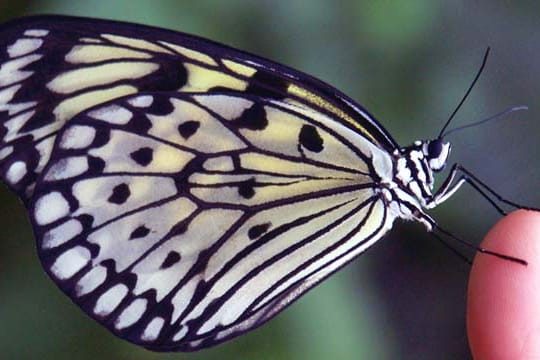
column 435, row 148
column 437, row 154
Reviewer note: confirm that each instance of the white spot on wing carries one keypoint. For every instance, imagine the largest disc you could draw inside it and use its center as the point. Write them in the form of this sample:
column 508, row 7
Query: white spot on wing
column 10, row 71
column 113, row 114
column 110, row 299
column 220, row 163
column 196, row 343
column 16, row 172
column 91, row 40
column 131, row 314
column 50, row 207
column 227, row 106
column 67, row 168
column 7, row 94
column 61, row 234
column 5, row 152
column 36, row 32
column 17, row 107
column 23, row 47
column 91, row 280
column 153, row 329
column 142, row 101
column 182, row 298
column 15, row 124
column 70, row 262
column 78, row 137
column 180, row 334
column 44, row 147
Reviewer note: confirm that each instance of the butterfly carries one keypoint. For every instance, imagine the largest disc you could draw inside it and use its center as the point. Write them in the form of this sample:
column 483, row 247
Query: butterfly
column 183, row 192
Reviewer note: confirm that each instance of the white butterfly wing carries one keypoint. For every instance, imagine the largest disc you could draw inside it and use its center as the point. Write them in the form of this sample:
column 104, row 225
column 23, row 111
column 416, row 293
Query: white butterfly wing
column 54, row 67
column 181, row 220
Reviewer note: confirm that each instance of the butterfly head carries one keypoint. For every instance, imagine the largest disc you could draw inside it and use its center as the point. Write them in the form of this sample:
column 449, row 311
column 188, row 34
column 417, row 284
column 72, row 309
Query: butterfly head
column 436, row 152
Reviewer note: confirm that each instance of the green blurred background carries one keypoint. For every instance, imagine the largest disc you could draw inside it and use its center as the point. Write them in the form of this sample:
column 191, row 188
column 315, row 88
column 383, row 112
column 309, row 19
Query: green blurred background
column 408, row 62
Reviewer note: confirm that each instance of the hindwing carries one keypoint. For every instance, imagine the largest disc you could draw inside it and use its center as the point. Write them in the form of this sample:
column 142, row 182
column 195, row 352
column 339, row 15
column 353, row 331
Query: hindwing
column 180, row 220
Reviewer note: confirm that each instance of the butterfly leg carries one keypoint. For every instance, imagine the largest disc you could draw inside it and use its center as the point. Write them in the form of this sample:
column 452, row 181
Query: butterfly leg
column 436, row 230
column 458, row 176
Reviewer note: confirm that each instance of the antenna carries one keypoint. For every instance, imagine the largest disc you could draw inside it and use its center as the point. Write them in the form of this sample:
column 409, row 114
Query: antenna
column 492, row 117
column 466, row 94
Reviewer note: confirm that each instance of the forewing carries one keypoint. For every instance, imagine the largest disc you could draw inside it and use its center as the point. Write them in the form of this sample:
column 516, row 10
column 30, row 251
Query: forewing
column 54, row 67
column 179, row 221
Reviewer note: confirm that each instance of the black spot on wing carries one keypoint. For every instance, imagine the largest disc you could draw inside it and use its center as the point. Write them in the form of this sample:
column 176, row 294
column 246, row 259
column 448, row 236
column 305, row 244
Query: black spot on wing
column 178, row 229
column 140, row 124
column 310, row 139
column 86, row 221
column 256, row 231
column 172, row 258
column 139, row 232
column 188, row 128
column 143, row 156
column 95, row 165
column 160, row 106
column 267, row 85
column 253, row 118
column 170, row 76
column 246, row 189
column 120, row 194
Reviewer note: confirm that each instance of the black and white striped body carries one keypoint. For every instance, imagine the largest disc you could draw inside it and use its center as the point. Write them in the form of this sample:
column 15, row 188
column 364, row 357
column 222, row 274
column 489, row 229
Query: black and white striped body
column 410, row 190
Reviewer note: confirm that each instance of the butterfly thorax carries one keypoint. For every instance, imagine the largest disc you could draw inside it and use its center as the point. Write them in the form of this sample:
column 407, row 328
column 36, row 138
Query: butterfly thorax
column 413, row 178
column 416, row 164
